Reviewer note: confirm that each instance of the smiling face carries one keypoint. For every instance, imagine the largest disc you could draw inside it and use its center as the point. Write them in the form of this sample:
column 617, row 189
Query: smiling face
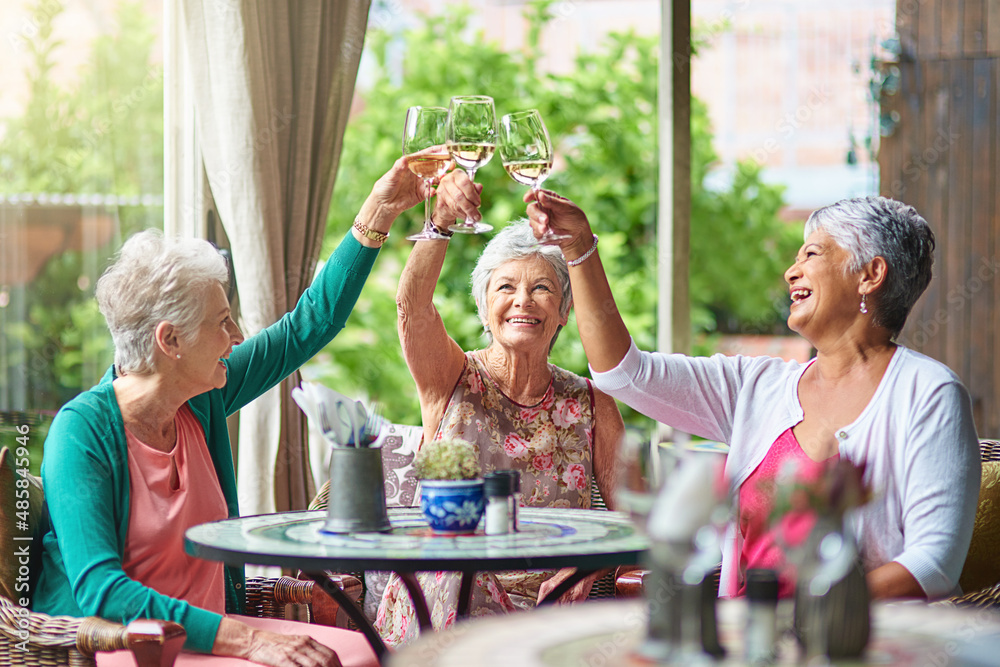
column 201, row 357
column 825, row 295
column 523, row 299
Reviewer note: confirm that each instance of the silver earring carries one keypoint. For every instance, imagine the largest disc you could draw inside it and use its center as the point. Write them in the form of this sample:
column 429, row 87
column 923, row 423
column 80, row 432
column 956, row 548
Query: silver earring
column 179, row 356
column 864, row 307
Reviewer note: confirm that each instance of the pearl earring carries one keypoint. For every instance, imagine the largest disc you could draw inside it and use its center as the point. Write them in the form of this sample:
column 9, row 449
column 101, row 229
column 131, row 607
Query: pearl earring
column 179, row 356
column 864, row 308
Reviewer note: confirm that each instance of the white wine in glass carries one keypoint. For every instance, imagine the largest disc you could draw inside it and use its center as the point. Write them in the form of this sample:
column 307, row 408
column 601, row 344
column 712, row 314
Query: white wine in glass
column 472, row 132
column 425, row 138
column 527, row 154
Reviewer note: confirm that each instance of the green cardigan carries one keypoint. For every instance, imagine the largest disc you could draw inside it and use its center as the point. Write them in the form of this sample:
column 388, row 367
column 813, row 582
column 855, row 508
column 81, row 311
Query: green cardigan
column 85, row 466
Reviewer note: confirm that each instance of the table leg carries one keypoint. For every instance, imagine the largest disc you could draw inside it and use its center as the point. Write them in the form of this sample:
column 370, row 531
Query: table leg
column 355, row 613
column 568, row 583
column 418, row 600
column 465, row 594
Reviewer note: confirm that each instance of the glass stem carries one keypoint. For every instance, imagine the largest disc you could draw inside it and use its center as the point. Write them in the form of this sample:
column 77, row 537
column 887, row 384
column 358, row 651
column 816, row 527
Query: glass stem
column 427, row 210
column 472, row 177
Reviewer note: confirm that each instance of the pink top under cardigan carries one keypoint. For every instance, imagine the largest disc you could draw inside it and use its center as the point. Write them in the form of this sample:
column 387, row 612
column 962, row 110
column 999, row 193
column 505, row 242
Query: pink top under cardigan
column 170, row 492
column 760, row 547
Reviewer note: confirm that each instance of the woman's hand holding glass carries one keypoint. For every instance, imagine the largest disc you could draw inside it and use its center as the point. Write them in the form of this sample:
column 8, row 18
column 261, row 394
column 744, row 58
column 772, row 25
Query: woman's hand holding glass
column 472, row 131
column 424, row 144
column 552, row 213
column 457, row 197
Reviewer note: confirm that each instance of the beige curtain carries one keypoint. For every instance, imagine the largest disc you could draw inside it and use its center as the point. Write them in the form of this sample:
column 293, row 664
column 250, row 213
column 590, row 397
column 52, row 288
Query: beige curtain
column 272, row 85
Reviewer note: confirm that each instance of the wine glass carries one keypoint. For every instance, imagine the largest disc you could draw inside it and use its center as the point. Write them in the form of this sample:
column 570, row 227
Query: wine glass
column 472, row 131
column 424, row 136
column 527, row 154
column 638, row 476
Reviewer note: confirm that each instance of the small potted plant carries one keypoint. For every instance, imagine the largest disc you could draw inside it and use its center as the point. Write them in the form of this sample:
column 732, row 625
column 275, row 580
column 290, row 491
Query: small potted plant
column 451, row 489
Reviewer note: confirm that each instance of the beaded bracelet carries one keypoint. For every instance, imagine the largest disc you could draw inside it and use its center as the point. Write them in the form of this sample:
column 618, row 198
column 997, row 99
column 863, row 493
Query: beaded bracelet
column 582, row 258
column 368, row 233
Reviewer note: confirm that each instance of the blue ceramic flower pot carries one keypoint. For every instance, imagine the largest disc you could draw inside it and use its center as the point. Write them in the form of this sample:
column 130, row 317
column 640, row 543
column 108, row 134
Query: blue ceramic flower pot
column 452, row 507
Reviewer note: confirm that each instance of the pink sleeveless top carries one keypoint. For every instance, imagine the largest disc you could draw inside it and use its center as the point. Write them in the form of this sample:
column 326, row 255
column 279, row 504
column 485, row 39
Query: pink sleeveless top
column 168, row 493
column 550, row 443
column 760, row 549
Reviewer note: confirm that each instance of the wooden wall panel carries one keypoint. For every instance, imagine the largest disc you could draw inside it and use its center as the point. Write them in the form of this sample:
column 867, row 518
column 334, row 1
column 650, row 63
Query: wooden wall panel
column 944, row 159
column 992, row 20
column 956, row 154
column 928, row 29
column 992, row 418
column 950, row 17
column 974, row 28
column 980, row 291
column 907, row 20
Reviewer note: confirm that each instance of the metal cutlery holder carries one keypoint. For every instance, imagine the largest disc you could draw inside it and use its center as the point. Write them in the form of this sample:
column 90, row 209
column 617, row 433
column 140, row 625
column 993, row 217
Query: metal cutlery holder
column 357, row 491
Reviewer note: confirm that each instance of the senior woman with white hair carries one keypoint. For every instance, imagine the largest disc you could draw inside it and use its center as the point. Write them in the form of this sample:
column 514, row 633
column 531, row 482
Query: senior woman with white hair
column 132, row 463
column 863, row 398
column 520, row 411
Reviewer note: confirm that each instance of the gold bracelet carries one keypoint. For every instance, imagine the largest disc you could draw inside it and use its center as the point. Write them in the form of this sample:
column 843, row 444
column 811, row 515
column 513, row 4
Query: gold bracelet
column 371, row 234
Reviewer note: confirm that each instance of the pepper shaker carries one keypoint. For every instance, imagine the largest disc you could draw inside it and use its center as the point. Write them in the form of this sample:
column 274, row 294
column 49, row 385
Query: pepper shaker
column 762, row 601
column 515, row 492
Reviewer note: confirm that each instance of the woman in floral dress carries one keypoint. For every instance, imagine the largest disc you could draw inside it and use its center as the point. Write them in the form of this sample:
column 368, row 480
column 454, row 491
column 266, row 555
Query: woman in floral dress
column 520, row 411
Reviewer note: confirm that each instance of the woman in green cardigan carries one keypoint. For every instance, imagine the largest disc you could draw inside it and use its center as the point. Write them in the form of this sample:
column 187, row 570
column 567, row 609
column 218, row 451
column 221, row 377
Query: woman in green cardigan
column 132, row 463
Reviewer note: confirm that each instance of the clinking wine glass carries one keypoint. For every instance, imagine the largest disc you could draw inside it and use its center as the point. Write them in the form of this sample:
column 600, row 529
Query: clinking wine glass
column 425, row 137
column 472, row 131
column 527, row 154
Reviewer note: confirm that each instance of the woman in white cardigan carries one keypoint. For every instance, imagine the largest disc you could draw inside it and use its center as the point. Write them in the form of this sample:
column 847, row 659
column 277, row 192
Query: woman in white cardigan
column 863, row 397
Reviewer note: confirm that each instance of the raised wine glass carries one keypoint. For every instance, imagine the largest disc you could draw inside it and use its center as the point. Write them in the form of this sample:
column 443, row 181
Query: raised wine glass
column 472, row 132
column 527, row 154
column 425, row 137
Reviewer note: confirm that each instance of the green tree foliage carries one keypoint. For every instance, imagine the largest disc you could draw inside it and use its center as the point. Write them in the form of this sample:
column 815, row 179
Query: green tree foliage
column 101, row 135
column 602, row 119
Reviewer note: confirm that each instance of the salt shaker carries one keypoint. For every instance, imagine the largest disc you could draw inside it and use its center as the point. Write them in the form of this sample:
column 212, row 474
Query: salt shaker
column 762, row 602
column 515, row 498
column 497, row 488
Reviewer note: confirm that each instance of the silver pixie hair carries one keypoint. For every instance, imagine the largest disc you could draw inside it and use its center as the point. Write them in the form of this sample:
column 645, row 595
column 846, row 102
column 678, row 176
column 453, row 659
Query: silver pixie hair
column 870, row 227
column 155, row 279
column 517, row 241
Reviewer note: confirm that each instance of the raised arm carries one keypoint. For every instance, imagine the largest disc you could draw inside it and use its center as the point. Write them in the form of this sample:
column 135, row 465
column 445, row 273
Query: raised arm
column 435, row 360
column 602, row 330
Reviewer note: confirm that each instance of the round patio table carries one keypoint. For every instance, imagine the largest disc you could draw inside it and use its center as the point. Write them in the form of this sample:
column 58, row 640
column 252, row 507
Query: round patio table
column 548, row 538
column 612, row 633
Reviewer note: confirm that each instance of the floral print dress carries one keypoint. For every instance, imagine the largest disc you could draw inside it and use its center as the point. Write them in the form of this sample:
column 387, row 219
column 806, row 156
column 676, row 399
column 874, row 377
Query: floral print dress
column 550, row 443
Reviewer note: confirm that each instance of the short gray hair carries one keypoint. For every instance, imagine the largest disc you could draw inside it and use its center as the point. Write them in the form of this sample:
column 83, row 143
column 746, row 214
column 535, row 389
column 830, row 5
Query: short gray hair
column 155, row 279
column 870, row 227
column 517, row 241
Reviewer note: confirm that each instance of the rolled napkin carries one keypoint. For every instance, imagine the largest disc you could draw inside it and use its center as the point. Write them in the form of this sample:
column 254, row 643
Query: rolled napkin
column 345, row 417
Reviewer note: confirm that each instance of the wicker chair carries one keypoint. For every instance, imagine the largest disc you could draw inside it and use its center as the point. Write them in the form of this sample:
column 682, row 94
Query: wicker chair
column 981, row 574
column 33, row 638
